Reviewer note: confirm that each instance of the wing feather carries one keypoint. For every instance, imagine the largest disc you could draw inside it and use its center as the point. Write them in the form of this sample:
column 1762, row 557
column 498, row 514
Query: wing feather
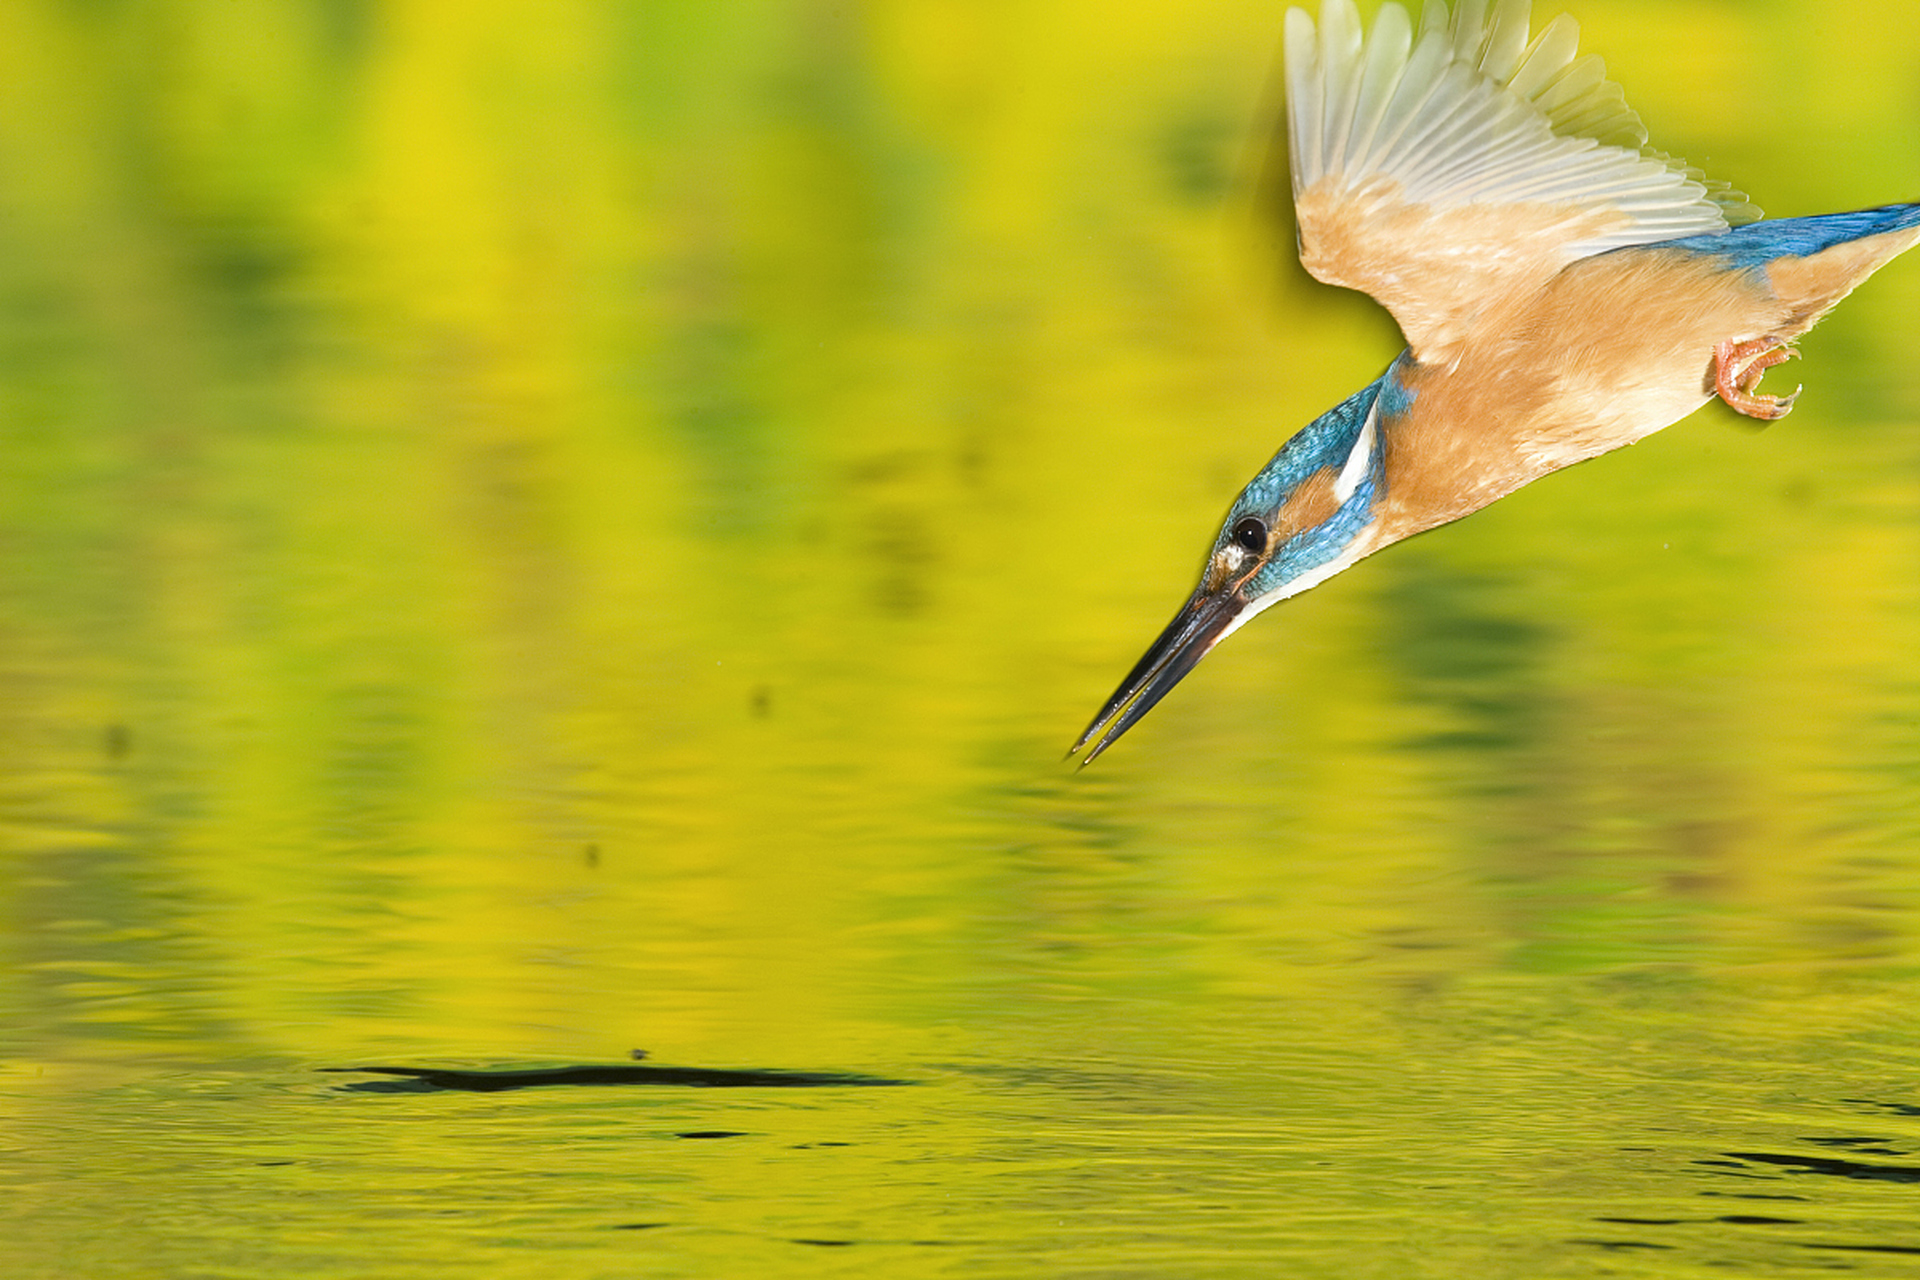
column 1445, row 169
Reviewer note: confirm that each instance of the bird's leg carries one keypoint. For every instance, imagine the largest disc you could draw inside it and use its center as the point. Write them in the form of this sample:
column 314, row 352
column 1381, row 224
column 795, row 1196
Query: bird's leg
column 1737, row 370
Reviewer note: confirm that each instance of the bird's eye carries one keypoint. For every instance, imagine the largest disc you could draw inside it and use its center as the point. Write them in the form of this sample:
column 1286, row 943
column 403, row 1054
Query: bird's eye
column 1250, row 532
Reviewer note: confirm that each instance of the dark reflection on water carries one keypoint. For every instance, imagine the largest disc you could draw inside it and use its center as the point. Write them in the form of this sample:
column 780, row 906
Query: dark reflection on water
column 1832, row 1167
column 424, row 1079
column 1467, row 644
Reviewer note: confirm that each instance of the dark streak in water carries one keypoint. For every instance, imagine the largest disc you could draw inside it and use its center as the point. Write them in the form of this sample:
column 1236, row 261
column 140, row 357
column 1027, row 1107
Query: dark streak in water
column 1833, row 1167
column 1866, row 1248
column 1751, row 1195
column 1861, row 1146
column 1738, row 1219
column 432, row 1079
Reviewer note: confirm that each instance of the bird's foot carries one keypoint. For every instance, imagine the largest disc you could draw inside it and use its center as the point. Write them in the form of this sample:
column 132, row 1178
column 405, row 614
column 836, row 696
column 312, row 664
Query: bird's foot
column 1737, row 370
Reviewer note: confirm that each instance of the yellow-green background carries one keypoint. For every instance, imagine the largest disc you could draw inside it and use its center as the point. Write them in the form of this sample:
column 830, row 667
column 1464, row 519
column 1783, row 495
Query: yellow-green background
column 533, row 530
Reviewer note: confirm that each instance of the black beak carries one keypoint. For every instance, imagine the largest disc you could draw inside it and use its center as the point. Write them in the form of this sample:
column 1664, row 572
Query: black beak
column 1193, row 632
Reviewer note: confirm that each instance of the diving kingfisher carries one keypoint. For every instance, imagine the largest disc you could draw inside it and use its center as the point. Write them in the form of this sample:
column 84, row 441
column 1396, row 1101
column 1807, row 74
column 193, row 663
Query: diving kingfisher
column 1563, row 289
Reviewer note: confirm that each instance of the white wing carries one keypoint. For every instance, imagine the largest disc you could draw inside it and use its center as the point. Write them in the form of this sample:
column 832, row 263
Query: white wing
column 1453, row 170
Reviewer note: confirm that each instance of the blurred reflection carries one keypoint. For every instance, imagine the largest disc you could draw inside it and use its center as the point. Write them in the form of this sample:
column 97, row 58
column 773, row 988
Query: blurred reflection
column 549, row 528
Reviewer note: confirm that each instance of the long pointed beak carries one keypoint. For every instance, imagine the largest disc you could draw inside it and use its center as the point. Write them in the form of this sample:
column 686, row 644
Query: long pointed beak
column 1200, row 624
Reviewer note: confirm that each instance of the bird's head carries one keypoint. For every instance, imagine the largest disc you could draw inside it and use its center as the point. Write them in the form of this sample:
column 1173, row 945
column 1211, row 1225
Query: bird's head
column 1301, row 520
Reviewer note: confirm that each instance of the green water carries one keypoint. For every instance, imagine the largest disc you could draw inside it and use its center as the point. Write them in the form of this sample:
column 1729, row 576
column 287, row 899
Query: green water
column 531, row 532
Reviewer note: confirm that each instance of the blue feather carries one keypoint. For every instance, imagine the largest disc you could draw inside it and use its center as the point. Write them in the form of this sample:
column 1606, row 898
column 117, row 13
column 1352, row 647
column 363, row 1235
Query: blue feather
column 1758, row 243
column 1322, row 445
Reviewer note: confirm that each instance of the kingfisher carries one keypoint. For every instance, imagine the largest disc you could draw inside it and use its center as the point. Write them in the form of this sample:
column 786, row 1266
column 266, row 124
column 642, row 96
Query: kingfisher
column 1563, row 289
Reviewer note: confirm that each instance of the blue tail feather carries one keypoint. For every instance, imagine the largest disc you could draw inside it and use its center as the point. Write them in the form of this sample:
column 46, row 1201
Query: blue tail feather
column 1759, row 243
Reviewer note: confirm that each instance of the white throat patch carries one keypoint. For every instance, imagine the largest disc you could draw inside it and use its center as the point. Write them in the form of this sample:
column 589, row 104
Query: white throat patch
column 1355, row 468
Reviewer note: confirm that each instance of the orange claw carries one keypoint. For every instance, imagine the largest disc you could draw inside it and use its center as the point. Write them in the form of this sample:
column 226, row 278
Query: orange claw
column 1737, row 370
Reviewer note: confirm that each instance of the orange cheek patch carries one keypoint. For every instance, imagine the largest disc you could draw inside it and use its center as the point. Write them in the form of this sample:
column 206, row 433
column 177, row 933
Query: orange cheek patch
column 1311, row 503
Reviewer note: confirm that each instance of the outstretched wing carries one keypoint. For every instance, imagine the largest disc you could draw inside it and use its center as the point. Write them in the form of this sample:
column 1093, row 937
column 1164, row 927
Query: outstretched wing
column 1447, row 171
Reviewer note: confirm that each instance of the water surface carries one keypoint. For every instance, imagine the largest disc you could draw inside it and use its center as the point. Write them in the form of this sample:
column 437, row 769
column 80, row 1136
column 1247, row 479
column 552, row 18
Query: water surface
column 560, row 532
